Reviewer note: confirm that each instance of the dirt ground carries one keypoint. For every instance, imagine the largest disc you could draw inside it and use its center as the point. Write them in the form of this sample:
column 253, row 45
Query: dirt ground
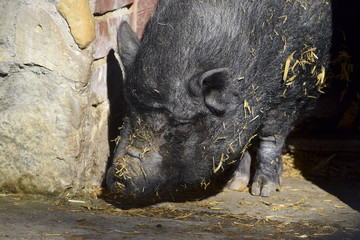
column 301, row 210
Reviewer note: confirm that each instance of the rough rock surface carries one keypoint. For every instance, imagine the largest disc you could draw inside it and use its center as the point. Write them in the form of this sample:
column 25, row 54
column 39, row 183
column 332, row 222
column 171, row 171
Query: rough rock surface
column 52, row 138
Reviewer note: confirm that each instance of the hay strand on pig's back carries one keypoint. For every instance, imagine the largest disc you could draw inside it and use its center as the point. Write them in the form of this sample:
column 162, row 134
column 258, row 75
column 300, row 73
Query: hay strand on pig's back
column 287, row 66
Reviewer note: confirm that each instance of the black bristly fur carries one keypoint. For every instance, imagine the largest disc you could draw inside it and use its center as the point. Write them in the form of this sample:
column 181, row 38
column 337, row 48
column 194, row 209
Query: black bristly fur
column 194, row 112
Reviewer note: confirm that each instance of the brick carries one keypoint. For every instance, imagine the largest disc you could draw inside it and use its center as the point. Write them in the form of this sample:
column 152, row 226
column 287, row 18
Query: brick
column 106, row 29
column 103, row 6
column 143, row 10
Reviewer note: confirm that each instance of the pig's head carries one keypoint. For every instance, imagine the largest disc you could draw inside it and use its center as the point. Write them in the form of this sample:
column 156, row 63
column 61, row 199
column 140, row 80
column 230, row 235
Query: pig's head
column 180, row 129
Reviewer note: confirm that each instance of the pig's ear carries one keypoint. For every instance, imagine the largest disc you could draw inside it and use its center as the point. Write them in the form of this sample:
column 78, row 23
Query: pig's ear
column 214, row 84
column 128, row 44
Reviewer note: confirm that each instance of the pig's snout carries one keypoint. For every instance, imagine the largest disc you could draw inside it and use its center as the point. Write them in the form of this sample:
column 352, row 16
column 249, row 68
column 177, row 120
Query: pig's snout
column 135, row 174
column 126, row 176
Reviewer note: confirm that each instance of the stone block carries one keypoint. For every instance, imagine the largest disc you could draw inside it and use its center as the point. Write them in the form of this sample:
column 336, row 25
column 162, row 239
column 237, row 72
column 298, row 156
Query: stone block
column 52, row 140
column 99, row 81
column 40, row 131
column 8, row 10
column 42, row 38
column 54, row 101
column 81, row 22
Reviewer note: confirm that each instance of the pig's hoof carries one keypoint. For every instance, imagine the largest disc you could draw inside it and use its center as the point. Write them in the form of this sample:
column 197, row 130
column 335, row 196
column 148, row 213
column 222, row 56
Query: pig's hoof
column 263, row 187
column 238, row 183
column 264, row 190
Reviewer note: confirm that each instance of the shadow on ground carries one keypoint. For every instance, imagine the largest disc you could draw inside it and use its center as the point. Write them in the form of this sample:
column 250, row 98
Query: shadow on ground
column 334, row 166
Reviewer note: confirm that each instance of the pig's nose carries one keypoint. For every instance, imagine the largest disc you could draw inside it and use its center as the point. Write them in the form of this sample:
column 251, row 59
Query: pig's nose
column 119, row 179
column 137, row 173
column 127, row 174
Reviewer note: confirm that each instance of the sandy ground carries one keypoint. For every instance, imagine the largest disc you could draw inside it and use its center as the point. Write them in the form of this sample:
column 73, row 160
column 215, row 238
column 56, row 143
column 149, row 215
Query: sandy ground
column 301, row 210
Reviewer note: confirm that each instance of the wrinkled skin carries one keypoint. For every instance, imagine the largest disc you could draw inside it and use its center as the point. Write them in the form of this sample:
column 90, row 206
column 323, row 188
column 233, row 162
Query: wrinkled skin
column 207, row 79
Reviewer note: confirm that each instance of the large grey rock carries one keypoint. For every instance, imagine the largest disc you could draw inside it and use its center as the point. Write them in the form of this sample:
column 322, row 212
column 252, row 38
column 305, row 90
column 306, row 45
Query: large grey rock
column 51, row 137
column 39, row 132
column 43, row 38
column 7, row 34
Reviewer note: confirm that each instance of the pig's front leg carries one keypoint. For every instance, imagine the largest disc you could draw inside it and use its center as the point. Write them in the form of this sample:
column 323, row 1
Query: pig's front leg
column 267, row 177
column 241, row 176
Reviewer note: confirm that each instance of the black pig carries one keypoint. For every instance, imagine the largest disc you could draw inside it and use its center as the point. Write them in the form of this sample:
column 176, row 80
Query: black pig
column 209, row 77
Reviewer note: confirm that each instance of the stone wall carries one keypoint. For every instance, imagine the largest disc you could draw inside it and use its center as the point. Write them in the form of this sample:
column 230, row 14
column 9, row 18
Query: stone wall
column 54, row 79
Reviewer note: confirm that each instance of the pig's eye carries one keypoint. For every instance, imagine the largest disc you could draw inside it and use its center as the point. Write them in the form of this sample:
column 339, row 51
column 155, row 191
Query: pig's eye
column 182, row 126
column 157, row 105
column 144, row 103
column 180, row 122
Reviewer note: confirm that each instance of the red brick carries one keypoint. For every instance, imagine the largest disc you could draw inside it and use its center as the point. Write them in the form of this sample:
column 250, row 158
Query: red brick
column 103, row 28
column 103, row 6
column 106, row 29
column 143, row 10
